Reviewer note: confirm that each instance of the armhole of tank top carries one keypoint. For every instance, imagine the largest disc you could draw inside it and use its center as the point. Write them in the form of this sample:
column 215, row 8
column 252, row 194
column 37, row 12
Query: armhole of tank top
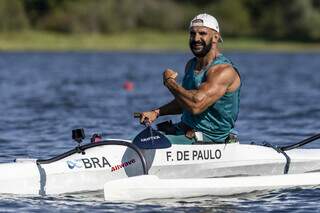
column 237, row 71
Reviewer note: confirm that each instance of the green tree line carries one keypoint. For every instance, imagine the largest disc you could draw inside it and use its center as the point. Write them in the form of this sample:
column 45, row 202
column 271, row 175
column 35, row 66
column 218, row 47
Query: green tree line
column 270, row 19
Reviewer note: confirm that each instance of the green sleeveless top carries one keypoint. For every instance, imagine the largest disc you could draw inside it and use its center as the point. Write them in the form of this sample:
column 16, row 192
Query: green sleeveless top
column 218, row 120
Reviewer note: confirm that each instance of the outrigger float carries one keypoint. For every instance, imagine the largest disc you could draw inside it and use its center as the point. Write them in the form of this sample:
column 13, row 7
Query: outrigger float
column 128, row 170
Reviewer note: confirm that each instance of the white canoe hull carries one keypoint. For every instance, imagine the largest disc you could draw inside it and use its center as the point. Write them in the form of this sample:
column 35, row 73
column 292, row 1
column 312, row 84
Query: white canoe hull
column 151, row 187
column 90, row 171
column 73, row 174
column 228, row 160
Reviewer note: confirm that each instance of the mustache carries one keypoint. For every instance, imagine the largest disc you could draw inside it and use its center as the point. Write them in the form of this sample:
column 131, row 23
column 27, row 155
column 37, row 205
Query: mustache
column 193, row 43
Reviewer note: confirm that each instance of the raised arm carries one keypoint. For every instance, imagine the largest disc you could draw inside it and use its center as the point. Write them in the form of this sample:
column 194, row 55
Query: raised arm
column 220, row 79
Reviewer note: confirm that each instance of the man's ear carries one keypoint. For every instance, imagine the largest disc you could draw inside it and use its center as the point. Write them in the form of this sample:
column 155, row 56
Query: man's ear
column 215, row 38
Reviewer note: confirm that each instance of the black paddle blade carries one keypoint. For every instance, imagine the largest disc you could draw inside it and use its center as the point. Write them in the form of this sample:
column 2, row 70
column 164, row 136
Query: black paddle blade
column 151, row 139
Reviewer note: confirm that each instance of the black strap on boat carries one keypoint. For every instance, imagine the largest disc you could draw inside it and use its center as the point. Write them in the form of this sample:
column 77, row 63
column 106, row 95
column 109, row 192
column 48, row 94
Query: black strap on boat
column 279, row 150
column 301, row 143
column 81, row 149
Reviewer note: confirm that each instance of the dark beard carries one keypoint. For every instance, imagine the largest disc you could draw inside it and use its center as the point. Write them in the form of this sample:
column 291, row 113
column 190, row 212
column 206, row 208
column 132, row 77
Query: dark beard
column 206, row 48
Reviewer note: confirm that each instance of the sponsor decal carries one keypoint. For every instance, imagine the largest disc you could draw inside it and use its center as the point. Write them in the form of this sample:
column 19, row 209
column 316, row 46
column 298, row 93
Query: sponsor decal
column 186, row 155
column 122, row 165
column 150, row 138
column 74, row 163
column 88, row 163
column 95, row 162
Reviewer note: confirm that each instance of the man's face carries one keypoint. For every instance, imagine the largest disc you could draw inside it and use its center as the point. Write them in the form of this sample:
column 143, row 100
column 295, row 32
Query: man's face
column 200, row 41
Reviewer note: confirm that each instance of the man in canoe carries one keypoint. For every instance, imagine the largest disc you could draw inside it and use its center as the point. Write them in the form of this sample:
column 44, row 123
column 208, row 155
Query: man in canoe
column 209, row 96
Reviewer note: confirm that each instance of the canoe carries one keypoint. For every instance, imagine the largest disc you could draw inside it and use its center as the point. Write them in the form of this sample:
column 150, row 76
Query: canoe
column 89, row 167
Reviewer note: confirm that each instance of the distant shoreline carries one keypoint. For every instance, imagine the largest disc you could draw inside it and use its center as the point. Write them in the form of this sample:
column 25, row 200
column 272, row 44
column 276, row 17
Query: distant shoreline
column 140, row 41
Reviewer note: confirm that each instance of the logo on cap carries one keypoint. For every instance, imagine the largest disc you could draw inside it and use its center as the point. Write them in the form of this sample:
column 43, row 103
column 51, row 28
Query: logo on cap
column 197, row 23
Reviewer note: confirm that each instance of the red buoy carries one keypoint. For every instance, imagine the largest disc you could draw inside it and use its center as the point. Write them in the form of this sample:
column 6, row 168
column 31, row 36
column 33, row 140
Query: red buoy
column 128, row 86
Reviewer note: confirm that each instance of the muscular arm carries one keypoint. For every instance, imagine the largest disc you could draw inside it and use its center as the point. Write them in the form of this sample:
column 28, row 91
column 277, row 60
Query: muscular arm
column 219, row 79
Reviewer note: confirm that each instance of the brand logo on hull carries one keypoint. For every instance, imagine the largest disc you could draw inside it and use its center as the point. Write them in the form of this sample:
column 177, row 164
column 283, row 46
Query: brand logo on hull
column 74, row 163
column 89, row 163
column 150, row 138
column 120, row 166
column 95, row 162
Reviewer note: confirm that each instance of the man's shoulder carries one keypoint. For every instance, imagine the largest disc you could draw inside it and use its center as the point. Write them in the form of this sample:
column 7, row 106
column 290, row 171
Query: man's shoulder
column 223, row 73
column 221, row 68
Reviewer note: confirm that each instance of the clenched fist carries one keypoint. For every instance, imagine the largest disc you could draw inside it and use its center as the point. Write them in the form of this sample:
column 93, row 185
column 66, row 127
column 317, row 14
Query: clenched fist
column 169, row 74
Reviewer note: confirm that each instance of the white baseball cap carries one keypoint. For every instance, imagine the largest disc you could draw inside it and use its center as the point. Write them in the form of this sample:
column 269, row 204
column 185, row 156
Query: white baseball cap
column 206, row 20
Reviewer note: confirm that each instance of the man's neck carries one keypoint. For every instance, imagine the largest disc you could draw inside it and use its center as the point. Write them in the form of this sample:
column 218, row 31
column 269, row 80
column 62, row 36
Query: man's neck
column 207, row 59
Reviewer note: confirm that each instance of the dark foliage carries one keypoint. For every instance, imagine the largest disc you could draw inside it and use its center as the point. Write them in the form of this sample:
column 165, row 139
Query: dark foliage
column 271, row 19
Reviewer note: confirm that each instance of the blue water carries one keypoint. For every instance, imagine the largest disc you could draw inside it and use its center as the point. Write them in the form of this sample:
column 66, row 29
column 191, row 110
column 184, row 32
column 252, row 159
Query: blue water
column 46, row 95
